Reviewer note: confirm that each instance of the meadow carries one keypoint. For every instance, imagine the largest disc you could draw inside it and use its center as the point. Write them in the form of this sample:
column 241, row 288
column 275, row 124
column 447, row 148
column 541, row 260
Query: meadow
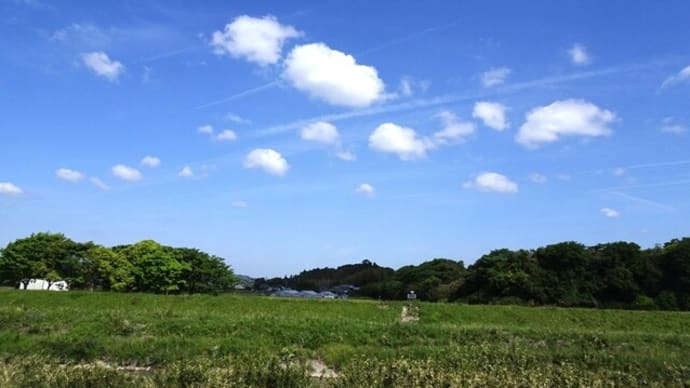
column 97, row 339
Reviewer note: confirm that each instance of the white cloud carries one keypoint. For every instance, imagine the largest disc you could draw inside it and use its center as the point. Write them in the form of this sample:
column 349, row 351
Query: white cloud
column 610, row 213
column 257, row 40
column 405, row 87
column 332, row 76
column 392, row 138
column 239, row 204
column 186, row 172
column 346, row 156
column 492, row 181
column 127, row 173
column 151, row 161
column 537, row 178
column 205, row 129
column 366, row 190
column 237, row 119
column 226, row 135
column 453, row 128
column 546, row 124
column 492, row 114
column 495, row 76
column 320, row 132
column 9, row 188
column 69, row 175
column 268, row 160
column 578, row 55
column 618, row 171
column 682, row 76
column 99, row 183
column 675, row 129
column 409, row 86
column 102, row 65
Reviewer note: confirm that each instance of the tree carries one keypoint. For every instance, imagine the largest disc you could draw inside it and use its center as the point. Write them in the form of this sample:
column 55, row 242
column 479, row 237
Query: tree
column 567, row 277
column 675, row 264
column 50, row 256
column 155, row 267
column 503, row 274
column 206, row 273
column 107, row 269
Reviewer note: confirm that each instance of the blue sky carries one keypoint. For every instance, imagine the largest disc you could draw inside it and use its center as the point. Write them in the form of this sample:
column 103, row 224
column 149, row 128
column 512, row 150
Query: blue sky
column 290, row 135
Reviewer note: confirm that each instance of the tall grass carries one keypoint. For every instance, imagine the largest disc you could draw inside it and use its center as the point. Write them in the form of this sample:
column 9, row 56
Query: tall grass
column 79, row 338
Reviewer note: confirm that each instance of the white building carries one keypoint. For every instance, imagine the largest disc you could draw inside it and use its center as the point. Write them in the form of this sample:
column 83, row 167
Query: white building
column 42, row 284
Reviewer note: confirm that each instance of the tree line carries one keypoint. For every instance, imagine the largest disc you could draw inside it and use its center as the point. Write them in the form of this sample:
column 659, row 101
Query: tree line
column 613, row 275
column 617, row 275
column 146, row 266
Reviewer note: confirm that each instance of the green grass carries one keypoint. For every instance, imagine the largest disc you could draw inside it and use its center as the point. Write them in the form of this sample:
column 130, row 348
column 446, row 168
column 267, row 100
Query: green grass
column 363, row 340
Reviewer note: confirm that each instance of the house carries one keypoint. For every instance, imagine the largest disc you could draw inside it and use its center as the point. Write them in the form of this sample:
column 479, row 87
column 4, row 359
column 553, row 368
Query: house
column 42, row 284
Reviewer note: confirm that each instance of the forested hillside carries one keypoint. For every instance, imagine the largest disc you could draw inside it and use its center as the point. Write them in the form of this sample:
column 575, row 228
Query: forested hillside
column 618, row 274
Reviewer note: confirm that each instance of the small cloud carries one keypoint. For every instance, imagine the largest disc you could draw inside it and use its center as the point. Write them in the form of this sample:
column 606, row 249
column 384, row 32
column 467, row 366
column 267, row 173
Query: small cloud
column 495, row 76
column 226, row 135
column 453, row 128
column 618, row 171
column 127, row 173
column 492, row 181
column 547, row 124
column 9, row 188
column 69, row 175
column 186, row 172
column 150, row 161
column 99, row 183
column 682, row 76
column 258, row 40
column 146, row 74
column 392, row 138
column 366, row 190
column 537, row 178
column 405, row 87
column 673, row 128
column 237, row 119
column 268, row 160
column 333, row 76
column 346, row 156
column 320, row 132
column 578, row 55
column 610, row 213
column 102, row 65
column 239, row 204
column 492, row 114
column 205, row 129
column 409, row 86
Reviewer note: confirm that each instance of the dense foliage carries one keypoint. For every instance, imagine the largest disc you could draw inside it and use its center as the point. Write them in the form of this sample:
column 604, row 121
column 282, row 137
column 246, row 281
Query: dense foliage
column 146, row 266
column 85, row 339
column 618, row 274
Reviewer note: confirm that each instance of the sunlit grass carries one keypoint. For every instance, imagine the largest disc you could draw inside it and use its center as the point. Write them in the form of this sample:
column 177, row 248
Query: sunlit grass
column 453, row 342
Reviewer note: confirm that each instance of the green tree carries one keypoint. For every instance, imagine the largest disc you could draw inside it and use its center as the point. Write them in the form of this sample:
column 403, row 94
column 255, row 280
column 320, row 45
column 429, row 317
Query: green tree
column 675, row 264
column 155, row 267
column 107, row 269
column 206, row 273
column 50, row 256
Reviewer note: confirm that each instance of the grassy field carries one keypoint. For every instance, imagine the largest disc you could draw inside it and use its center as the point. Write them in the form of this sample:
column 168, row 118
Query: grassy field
column 107, row 339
